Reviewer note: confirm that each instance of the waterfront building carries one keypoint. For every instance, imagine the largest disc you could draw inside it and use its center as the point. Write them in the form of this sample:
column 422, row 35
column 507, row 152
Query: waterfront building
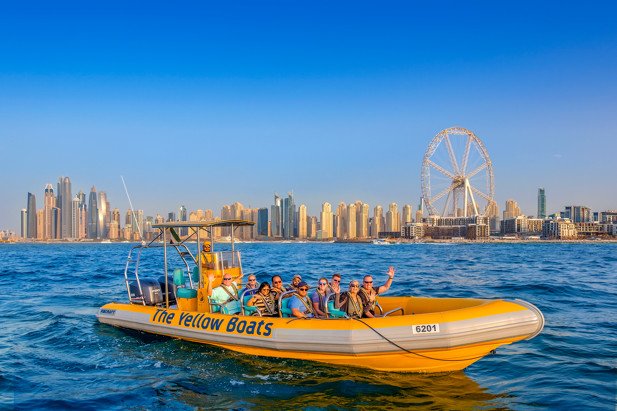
column 559, row 229
column 477, row 232
column 326, row 221
column 159, row 219
column 605, row 216
column 56, row 220
column 65, row 203
column 516, row 225
column 541, row 203
column 40, row 224
column 114, row 230
column 208, row 215
column 83, row 220
column 288, row 216
column 341, row 221
column 413, row 230
column 184, row 231
column 448, row 227
column 407, row 211
column 302, row 223
column 362, row 219
column 577, row 214
column 93, row 215
column 276, row 217
column 512, row 210
column 104, row 215
column 171, row 216
column 262, row 222
column 313, row 227
column 32, row 216
column 23, row 223
column 589, row 229
column 393, row 218
column 49, row 202
column 420, row 211
column 75, row 218
column 378, row 222
column 351, row 221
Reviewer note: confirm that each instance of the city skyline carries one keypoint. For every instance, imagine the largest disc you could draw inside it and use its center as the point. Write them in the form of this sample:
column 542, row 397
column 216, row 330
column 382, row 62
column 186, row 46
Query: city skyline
column 209, row 105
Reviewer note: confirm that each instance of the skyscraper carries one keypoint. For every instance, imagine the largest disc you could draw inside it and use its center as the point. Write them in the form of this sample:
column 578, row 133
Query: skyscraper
column 393, row 218
column 362, row 217
column 262, row 222
column 93, row 215
column 512, row 210
column 75, row 220
column 326, row 221
column 31, row 211
column 289, row 216
column 276, row 217
column 407, row 211
column 104, row 215
column 351, row 221
column 65, row 203
column 49, row 203
column 541, row 203
column 184, row 231
column 302, row 226
column 24, row 222
column 376, row 224
column 341, row 221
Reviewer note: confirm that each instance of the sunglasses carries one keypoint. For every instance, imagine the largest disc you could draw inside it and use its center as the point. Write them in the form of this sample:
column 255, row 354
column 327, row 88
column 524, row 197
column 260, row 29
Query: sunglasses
column 354, row 286
column 277, row 282
column 227, row 278
column 252, row 279
column 302, row 289
column 368, row 282
column 337, row 281
column 323, row 283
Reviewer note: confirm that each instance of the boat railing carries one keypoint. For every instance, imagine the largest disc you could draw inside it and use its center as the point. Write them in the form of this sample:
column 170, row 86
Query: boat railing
column 283, row 296
column 251, row 292
column 134, row 258
column 335, row 313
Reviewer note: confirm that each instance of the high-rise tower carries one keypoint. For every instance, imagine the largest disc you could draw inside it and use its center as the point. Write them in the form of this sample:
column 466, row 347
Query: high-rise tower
column 49, row 203
column 93, row 215
column 302, row 226
column 326, row 221
column 31, row 211
column 541, row 203
column 65, row 203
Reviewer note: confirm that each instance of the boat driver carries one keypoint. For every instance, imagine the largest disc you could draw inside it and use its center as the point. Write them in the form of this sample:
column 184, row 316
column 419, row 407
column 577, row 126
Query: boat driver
column 368, row 293
column 299, row 304
column 208, row 257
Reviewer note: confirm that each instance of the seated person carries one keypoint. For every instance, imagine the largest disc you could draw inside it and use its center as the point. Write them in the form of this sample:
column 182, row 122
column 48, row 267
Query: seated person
column 251, row 285
column 227, row 291
column 335, row 284
column 295, row 281
column 299, row 304
column 318, row 298
column 277, row 286
column 264, row 301
column 368, row 293
column 350, row 302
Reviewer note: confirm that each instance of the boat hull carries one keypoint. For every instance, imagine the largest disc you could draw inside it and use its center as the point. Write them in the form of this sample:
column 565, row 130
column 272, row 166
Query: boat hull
column 426, row 340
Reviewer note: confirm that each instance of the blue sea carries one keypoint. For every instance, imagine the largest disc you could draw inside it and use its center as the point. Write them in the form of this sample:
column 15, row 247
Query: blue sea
column 55, row 355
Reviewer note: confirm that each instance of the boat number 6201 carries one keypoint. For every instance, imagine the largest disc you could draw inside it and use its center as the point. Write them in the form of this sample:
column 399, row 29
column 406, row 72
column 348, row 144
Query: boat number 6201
column 425, row 328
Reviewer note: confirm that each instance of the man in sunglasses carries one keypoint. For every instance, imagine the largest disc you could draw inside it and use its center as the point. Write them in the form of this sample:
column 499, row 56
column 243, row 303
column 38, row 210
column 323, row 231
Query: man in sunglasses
column 368, row 293
column 251, row 285
column 299, row 304
column 277, row 286
column 224, row 293
column 335, row 284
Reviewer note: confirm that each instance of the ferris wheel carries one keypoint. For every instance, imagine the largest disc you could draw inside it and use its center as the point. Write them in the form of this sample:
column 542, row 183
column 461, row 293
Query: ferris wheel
column 457, row 175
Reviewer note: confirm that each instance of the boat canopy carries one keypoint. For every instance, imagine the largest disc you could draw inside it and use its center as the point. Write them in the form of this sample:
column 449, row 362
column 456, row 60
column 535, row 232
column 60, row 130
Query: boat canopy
column 203, row 224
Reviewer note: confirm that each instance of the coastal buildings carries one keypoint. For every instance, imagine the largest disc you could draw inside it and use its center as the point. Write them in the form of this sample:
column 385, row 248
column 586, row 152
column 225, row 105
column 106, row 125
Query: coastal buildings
column 32, row 216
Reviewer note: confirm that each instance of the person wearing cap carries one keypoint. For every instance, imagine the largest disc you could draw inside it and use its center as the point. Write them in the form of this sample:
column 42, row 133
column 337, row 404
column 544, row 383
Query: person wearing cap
column 208, row 257
column 299, row 304
column 295, row 281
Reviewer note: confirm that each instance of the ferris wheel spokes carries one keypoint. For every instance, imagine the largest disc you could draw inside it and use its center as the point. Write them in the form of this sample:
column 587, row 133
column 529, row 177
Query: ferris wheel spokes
column 451, row 154
column 441, row 169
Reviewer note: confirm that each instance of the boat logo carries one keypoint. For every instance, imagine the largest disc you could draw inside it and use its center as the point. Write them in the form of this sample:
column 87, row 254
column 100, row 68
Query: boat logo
column 106, row 311
column 206, row 322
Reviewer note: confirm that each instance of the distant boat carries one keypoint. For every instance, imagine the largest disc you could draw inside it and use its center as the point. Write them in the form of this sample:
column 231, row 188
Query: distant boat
column 106, row 242
column 380, row 241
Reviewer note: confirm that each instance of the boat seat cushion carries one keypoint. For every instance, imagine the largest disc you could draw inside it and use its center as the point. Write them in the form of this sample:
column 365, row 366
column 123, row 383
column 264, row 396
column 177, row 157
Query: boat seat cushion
column 186, row 293
column 179, row 277
column 248, row 309
column 334, row 312
column 285, row 310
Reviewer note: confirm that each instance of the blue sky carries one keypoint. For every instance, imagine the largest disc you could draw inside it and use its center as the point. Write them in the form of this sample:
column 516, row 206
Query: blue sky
column 207, row 104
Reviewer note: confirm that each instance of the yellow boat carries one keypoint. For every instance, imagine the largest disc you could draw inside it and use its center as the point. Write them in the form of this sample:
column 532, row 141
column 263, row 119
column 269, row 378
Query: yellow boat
column 413, row 334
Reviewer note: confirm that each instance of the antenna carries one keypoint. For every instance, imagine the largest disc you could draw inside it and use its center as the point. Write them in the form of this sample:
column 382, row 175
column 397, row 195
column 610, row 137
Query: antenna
column 132, row 210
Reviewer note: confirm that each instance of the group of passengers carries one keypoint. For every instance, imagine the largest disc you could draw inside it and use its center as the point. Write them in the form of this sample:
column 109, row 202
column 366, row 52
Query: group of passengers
column 357, row 302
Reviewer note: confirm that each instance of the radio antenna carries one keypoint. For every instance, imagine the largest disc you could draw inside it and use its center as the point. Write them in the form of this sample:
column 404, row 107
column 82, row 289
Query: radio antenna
column 132, row 210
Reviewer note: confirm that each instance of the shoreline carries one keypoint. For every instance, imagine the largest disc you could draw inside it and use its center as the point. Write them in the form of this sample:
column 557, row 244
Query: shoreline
column 390, row 242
